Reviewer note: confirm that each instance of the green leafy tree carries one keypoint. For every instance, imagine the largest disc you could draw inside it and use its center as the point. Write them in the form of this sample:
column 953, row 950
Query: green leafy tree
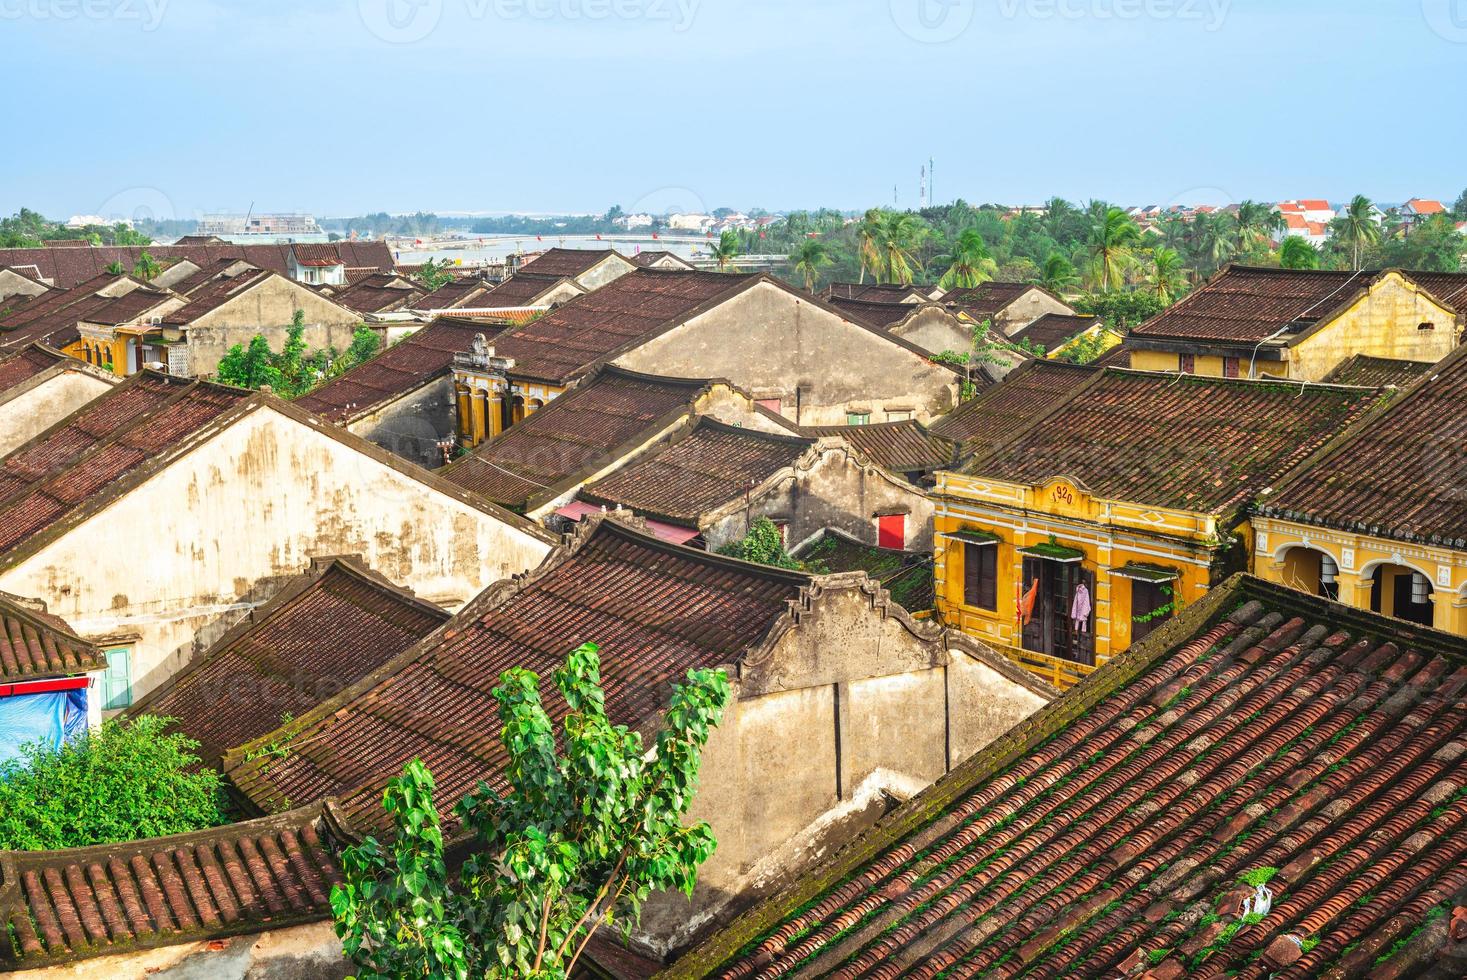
column 363, row 347
column 1165, row 277
column 1356, row 228
column 1296, row 253
column 762, row 545
column 1433, row 245
column 115, row 269
column 808, row 258
column 1253, row 225
column 725, row 250
column 1113, row 239
column 588, row 829
column 249, row 367
column 968, row 264
column 1057, row 274
column 1121, row 310
column 120, row 782
column 431, row 275
column 146, row 268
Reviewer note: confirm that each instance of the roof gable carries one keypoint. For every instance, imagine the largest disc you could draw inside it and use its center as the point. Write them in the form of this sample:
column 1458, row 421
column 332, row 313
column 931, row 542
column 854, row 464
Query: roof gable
column 35, row 645
column 1112, row 831
column 569, row 262
column 657, row 611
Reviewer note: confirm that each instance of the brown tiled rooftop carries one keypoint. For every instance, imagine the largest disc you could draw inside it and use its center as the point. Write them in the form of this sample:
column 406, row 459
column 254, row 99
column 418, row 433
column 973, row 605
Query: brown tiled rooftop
column 656, row 610
column 52, row 317
column 1247, row 304
column 1263, row 733
column 422, row 356
column 606, row 415
column 81, row 457
column 906, row 575
column 1053, row 330
column 987, row 299
column 1449, row 287
column 999, row 411
column 1400, row 475
column 557, row 263
column 211, row 295
column 562, row 344
column 1365, row 371
column 878, row 314
column 376, row 293
column 20, row 366
column 1200, row 444
column 320, row 634
column 459, row 292
column 35, row 645
column 520, row 290
column 316, row 255
column 697, row 472
column 67, row 267
column 872, row 292
column 901, row 447
column 119, row 898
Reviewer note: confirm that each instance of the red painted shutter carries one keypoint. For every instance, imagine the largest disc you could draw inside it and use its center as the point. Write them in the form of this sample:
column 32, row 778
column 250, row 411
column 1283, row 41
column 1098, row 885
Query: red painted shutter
column 773, row 404
column 891, row 531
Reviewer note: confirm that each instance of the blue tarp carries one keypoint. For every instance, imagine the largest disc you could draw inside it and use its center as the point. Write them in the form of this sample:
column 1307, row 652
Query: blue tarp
column 50, row 719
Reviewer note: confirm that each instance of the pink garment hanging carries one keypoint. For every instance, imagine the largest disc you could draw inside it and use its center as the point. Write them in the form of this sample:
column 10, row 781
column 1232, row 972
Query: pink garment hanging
column 1080, row 608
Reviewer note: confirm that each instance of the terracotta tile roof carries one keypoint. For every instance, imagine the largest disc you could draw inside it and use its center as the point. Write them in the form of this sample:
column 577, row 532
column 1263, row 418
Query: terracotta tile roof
column 316, row 256
column 51, row 317
column 412, row 362
column 1262, row 732
column 1205, row 445
column 1053, row 330
column 317, row 636
column 697, row 472
column 519, row 290
column 558, row 263
column 455, row 293
column 1365, row 371
column 871, row 292
column 647, row 259
column 878, row 314
column 1419, row 205
column 35, row 645
column 67, row 267
column 901, row 447
column 190, row 283
column 1399, row 475
column 125, row 308
column 657, row 610
column 987, row 299
column 1449, row 287
column 22, row 365
column 1243, row 304
column 564, row 343
column 1029, row 390
column 906, row 575
column 604, row 417
column 214, row 294
column 118, row 898
column 87, row 453
column 377, row 293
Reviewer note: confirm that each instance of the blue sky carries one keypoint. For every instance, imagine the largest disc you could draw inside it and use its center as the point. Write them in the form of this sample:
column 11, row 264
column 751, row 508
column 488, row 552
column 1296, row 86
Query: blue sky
column 185, row 106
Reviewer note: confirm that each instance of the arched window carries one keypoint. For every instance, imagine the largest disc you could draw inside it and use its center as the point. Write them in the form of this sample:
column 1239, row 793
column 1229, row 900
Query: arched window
column 1313, row 571
column 1402, row 592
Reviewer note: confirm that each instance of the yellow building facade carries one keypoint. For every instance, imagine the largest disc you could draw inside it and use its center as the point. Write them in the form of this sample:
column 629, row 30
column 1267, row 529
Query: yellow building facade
column 995, row 541
column 1418, row 582
column 1392, row 317
column 488, row 399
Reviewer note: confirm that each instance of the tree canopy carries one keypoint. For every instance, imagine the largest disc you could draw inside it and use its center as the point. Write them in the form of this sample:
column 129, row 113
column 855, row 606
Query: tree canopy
column 588, row 827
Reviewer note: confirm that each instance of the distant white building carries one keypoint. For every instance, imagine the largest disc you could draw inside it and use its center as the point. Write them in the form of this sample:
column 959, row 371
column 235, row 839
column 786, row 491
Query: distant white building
column 632, row 222
column 689, row 222
column 83, row 220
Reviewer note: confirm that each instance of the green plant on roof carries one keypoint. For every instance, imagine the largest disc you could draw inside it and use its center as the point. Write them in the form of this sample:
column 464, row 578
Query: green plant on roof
column 588, row 827
column 120, row 782
column 763, row 545
column 1258, row 876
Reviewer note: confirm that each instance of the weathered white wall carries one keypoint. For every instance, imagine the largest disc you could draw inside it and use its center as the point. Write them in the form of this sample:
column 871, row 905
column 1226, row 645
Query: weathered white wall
column 267, row 309
column 182, row 557
column 771, row 341
column 30, row 409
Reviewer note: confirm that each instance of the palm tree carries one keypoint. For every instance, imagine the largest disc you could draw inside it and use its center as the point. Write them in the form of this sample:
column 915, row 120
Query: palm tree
column 1358, row 227
column 969, row 263
column 871, row 230
column 1214, row 239
column 808, row 258
column 725, row 250
column 1167, row 277
column 1296, row 253
column 1255, row 223
column 146, row 268
column 900, row 233
column 1058, row 274
column 1113, row 235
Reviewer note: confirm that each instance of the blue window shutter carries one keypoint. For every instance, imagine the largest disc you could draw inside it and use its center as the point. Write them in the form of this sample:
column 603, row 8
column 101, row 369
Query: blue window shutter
column 117, row 680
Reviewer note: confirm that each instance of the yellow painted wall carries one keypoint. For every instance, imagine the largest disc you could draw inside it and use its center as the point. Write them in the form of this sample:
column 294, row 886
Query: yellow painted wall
column 1275, row 558
column 1110, row 533
column 1204, row 364
column 1384, row 323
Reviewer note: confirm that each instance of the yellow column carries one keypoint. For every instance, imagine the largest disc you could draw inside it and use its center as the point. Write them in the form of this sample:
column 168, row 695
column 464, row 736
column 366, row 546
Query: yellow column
column 496, row 414
column 465, row 404
column 477, row 433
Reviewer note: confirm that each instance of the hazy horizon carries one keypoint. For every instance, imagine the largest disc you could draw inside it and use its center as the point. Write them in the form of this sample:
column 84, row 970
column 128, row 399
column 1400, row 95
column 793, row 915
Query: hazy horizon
column 571, row 106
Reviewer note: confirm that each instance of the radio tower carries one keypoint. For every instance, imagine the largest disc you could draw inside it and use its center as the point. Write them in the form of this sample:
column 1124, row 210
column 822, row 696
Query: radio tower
column 931, row 181
column 922, row 190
